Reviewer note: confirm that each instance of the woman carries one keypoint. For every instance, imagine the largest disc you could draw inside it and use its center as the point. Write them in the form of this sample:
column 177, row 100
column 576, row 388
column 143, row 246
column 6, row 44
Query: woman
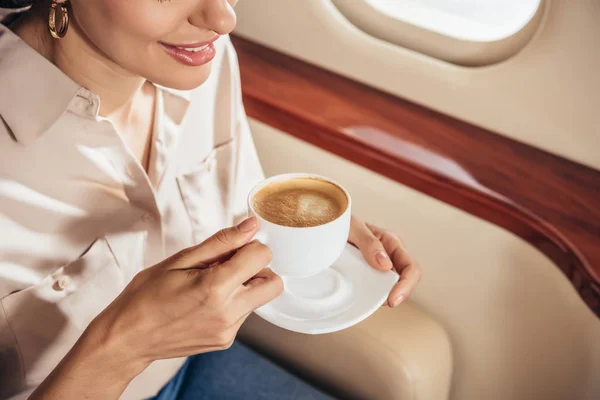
column 105, row 171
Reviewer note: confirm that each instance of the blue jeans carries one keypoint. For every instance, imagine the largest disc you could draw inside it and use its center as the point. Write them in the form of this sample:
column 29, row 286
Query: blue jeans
column 237, row 373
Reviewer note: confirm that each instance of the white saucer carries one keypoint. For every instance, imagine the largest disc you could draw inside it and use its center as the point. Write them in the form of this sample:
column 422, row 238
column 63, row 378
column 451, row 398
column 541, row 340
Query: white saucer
column 335, row 299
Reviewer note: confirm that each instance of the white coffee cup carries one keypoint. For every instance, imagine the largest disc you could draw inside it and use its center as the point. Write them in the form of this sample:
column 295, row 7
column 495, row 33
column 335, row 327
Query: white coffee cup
column 302, row 251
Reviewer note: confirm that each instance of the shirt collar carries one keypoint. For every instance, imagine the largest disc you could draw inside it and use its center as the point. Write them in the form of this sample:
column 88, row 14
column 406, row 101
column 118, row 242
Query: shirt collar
column 35, row 93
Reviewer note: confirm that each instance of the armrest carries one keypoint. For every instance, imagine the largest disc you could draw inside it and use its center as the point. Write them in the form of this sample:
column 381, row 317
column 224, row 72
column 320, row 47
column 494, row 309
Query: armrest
column 396, row 354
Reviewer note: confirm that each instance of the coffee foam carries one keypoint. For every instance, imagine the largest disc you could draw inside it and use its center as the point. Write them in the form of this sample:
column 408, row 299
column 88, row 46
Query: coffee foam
column 300, row 202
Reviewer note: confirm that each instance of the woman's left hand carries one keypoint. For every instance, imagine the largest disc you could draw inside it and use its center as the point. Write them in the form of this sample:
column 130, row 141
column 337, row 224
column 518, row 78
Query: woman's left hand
column 383, row 251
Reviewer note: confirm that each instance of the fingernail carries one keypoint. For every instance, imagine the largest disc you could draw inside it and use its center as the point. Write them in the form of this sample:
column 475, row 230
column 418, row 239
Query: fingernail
column 382, row 258
column 247, row 225
column 396, row 302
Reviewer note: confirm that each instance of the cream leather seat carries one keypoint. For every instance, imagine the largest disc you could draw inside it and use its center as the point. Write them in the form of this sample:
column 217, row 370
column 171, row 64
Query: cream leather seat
column 395, row 354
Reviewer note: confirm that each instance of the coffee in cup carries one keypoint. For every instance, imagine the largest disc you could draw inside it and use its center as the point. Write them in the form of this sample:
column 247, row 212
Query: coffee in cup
column 304, row 219
column 300, row 202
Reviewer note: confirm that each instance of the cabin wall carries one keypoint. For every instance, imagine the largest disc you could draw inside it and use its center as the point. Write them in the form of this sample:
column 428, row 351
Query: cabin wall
column 547, row 95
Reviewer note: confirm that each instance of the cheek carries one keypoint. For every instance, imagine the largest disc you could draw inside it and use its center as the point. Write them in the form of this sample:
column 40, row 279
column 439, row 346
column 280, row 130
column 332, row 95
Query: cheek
column 127, row 31
column 144, row 20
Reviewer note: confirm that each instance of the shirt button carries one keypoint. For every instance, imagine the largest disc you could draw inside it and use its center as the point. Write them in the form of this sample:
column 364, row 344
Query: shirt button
column 62, row 283
column 147, row 217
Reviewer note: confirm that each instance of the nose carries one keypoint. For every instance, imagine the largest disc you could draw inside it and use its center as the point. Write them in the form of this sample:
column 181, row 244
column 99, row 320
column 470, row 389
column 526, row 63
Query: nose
column 216, row 15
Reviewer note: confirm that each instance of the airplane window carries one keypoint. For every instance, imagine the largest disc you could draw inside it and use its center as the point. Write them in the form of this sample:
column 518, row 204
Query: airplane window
column 453, row 30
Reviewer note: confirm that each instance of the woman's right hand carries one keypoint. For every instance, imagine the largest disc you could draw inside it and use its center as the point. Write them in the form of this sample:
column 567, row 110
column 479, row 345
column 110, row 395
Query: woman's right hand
column 192, row 302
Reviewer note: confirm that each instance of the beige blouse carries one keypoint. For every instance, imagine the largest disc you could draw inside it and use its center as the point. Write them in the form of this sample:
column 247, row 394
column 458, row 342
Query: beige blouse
column 79, row 217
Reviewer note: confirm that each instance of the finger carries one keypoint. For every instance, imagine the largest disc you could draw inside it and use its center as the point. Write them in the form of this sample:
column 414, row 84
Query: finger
column 398, row 254
column 395, row 248
column 218, row 247
column 410, row 277
column 410, row 273
column 258, row 291
column 370, row 246
column 244, row 265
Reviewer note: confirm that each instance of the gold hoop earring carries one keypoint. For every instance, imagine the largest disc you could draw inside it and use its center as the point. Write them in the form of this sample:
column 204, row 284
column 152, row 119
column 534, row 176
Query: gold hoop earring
column 63, row 26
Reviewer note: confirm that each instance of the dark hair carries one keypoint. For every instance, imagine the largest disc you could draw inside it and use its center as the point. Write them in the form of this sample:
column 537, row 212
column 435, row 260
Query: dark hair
column 15, row 3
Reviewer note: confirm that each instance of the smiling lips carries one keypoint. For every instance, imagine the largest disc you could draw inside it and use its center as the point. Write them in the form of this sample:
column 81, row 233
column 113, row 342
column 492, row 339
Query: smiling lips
column 193, row 54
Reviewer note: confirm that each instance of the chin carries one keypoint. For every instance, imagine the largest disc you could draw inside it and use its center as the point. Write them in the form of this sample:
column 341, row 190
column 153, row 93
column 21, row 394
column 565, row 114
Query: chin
column 186, row 78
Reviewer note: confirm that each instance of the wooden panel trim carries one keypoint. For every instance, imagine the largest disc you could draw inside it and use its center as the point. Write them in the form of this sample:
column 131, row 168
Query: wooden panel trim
column 551, row 202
